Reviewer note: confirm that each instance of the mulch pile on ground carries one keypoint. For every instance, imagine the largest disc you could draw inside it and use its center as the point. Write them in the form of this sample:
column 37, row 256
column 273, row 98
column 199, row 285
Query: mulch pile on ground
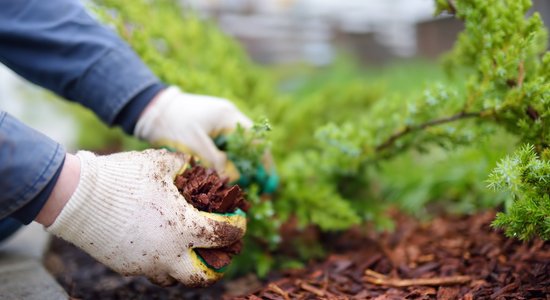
column 447, row 258
column 206, row 191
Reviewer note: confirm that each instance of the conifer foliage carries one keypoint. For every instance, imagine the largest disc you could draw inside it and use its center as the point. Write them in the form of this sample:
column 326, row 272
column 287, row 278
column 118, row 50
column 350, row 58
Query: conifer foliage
column 328, row 145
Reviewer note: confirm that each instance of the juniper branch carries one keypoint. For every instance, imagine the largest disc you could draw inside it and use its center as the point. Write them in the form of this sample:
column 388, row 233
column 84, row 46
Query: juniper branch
column 409, row 129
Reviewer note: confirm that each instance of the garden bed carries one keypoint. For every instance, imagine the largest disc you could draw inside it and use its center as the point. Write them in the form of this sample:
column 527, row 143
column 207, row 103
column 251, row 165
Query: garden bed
column 447, row 258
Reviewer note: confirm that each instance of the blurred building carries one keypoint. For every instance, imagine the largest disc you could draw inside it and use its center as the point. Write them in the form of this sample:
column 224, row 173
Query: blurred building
column 277, row 38
column 288, row 31
column 437, row 36
column 365, row 46
column 272, row 31
column 312, row 31
column 543, row 8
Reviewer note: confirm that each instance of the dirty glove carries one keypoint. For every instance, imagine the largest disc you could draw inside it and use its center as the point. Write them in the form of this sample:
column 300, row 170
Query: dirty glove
column 187, row 123
column 127, row 213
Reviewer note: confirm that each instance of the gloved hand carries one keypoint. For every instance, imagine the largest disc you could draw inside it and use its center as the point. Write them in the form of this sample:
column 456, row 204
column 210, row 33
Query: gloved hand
column 188, row 122
column 127, row 213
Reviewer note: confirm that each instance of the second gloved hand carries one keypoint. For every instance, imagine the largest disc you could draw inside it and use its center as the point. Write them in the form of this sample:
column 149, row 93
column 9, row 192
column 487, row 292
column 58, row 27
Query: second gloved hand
column 188, row 122
column 127, row 213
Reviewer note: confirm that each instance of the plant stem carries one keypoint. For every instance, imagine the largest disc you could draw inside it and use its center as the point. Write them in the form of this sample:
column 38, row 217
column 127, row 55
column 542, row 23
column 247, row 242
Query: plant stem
column 408, row 129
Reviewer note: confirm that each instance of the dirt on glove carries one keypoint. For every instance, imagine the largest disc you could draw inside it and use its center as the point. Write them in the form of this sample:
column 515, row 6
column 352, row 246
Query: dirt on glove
column 207, row 191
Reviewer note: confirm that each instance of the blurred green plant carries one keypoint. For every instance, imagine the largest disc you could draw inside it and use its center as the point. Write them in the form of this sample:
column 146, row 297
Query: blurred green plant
column 501, row 53
column 189, row 52
column 349, row 144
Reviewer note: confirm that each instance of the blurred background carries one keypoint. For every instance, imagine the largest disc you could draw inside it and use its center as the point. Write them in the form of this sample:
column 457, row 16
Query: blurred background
column 388, row 38
column 314, row 31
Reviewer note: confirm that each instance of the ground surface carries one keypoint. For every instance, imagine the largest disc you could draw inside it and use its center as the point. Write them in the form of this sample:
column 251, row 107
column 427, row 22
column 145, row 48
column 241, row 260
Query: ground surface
column 455, row 257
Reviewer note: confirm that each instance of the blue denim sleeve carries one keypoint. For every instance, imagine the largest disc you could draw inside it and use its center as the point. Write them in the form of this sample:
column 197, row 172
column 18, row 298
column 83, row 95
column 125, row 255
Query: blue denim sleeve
column 29, row 164
column 58, row 45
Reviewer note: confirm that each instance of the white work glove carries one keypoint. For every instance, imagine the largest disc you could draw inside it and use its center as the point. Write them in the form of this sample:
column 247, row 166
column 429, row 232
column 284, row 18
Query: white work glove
column 188, row 122
column 127, row 213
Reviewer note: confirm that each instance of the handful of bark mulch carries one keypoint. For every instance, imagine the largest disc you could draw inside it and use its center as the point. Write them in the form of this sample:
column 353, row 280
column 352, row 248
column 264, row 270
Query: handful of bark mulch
column 205, row 190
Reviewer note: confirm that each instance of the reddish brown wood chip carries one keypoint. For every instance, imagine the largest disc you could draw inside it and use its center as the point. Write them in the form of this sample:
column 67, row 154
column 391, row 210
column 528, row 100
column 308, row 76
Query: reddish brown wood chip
column 379, row 279
column 312, row 289
column 215, row 258
column 206, row 191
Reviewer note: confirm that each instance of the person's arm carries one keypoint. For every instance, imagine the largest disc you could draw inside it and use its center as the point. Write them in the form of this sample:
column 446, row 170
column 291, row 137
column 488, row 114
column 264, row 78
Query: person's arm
column 58, row 45
column 30, row 164
column 121, row 208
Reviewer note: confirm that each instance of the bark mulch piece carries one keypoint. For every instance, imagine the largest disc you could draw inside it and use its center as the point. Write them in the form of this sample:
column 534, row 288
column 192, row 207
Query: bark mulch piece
column 206, row 191
column 448, row 258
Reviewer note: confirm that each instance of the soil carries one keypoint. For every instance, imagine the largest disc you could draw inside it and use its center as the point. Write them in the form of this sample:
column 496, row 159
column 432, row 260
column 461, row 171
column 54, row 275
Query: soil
column 447, row 258
column 85, row 278
column 206, row 191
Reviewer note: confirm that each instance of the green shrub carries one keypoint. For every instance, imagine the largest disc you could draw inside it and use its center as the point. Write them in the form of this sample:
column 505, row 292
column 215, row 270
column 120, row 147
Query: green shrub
column 349, row 147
